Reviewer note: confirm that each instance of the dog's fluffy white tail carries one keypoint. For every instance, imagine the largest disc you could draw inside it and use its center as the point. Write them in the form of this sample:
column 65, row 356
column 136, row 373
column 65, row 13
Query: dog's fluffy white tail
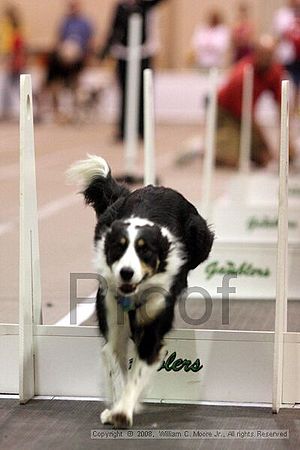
column 85, row 171
column 98, row 187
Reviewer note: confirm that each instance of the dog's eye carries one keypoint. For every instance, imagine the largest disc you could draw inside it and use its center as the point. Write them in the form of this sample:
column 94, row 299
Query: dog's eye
column 141, row 243
column 142, row 246
column 145, row 251
column 122, row 242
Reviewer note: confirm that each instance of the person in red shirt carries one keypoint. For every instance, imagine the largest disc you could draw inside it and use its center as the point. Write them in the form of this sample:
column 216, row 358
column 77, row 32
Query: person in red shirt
column 242, row 33
column 267, row 77
column 293, row 35
column 286, row 24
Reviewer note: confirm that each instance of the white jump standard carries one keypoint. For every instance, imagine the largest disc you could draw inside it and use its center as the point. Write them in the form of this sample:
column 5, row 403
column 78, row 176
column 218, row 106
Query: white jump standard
column 30, row 306
column 132, row 93
column 149, row 126
column 282, row 255
column 210, row 146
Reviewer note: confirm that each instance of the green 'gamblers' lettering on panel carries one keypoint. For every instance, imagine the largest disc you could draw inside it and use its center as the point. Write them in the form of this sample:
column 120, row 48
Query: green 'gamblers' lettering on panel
column 176, row 364
column 245, row 269
column 294, row 191
column 267, row 222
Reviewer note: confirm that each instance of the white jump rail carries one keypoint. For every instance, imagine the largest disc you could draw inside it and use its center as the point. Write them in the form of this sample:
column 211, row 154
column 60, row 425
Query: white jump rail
column 133, row 79
column 201, row 366
column 149, row 126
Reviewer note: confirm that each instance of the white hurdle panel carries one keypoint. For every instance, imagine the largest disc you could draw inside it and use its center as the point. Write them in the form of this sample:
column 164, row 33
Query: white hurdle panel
column 201, row 365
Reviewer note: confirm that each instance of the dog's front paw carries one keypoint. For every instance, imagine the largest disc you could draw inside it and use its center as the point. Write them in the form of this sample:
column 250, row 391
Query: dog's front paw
column 121, row 419
column 105, row 417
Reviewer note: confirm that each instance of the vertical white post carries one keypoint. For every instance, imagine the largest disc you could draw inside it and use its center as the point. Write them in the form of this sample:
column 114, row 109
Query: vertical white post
column 282, row 252
column 210, row 150
column 30, row 310
column 133, row 79
column 246, row 123
column 149, row 125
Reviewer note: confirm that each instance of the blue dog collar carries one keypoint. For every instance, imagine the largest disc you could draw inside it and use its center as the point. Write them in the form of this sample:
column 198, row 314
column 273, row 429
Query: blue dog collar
column 126, row 303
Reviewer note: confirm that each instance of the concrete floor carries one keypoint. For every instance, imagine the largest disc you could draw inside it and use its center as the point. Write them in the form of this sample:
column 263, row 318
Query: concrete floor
column 62, row 424
column 66, row 225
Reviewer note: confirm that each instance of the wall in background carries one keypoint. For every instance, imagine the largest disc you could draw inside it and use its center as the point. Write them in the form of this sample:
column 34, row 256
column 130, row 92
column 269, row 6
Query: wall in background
column 177, row 21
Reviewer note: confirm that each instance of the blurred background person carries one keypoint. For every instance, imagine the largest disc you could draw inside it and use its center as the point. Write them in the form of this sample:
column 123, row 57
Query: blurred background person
column 116, row 45
column 267, row 77
column 242, row 34
column 66, row 62
column 211, row 42
column 286, row 25
column 13, row 59
column 210, row 47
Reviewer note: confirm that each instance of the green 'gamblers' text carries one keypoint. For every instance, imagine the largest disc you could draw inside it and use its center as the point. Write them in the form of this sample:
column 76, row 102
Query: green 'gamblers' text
column 176, row 364
column 267, row 222
column 231, row 268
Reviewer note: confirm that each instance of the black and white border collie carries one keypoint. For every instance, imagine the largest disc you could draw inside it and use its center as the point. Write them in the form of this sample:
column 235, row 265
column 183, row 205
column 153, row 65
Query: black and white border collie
column 146, row 242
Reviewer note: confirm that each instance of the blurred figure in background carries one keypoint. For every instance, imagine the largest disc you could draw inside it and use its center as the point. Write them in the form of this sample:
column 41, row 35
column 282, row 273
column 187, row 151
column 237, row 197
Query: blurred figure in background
column 267, row 77
column 211, row 41
column 69, row 56
column 13, row 59
column 286, row 25
column 210, row 47
column 117, row 46
column 242, row 34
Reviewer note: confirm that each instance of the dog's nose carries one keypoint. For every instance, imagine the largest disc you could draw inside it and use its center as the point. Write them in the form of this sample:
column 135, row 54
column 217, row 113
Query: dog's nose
column 126, row 273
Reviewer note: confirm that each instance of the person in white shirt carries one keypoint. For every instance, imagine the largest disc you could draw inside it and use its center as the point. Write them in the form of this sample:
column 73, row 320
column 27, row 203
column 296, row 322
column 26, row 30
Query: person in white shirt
column 210, row 42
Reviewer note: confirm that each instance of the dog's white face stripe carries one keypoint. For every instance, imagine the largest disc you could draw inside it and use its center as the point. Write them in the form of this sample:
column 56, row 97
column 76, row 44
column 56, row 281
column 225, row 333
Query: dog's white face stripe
column 130, row 259
column 139, row 222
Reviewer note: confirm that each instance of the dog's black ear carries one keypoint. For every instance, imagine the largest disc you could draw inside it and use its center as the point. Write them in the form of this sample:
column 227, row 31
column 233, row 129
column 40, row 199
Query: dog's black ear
column 199, row 239
column 109, row 216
